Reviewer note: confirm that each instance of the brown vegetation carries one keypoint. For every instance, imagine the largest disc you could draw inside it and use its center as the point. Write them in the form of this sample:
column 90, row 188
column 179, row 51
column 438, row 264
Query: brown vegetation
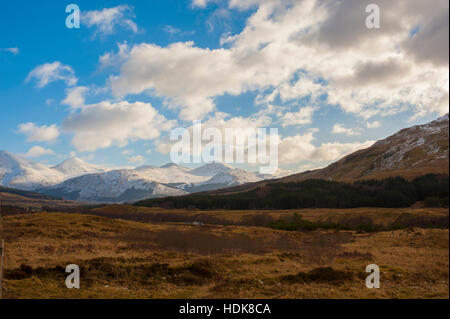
column 125, row 259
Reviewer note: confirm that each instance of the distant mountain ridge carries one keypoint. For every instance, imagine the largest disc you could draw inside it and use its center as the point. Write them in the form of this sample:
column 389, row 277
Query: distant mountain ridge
column 129, row 185
column 75, row 179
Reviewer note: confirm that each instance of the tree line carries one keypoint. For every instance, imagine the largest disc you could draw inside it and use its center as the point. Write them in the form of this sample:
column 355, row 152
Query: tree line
column 432, row 189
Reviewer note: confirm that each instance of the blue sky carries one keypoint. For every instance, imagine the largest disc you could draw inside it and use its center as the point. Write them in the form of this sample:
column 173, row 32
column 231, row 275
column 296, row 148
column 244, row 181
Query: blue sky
column 223, row 72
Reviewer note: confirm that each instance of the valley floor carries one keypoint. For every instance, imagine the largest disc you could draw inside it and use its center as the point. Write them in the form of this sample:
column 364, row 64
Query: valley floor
column 128, row 259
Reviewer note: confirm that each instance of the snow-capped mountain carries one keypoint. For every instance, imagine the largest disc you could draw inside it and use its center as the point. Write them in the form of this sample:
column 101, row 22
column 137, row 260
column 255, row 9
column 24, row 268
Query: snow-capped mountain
column 169, row 174
column 114, row 186
column 74, row 167
column 233, row 177
column 212, row 169
column 150, row 181
column 19, row 172
column 218, row 175
column 77, row 180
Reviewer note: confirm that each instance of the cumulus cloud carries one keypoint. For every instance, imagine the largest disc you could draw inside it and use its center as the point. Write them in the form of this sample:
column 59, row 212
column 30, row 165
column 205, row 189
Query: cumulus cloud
column 51, row 72
column 340, row 129
column 111, row 59
column 295, row 149
column 366, row 72
column 303, row 116
column 180, row 74
column 37, row 151
column 330, row 152
column 221, row 122
column 383, row 72
column 114, row 123
column 75, row 96
column 291, row 149
column 37, row 133
column 106, row 20
column 200, row 3
column 430, row 43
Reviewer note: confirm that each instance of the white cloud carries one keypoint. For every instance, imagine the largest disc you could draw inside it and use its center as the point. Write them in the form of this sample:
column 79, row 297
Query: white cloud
column 298, row 148
column 138, row 159
column 50, row 72
column 110, row 59
column 200, row 3
column 37, row 151
column 291, row 149
column 37, row 133
column 340, row 129
column 114, row 123
column 295, row 149
column 330, row 152
column 222, row 121
column 303, row 116
column 106, row 20
column 75, row 96
column 430, row 43
column 288, row 91
column 14, row 51
column 365, row 72
column 178, row 73
column 373, row 124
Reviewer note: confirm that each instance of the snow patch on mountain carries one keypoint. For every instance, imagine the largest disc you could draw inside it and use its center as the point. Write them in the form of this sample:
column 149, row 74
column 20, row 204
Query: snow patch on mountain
column 19, row 172
column 74, row 167
column 212, row 169
column 112, row 186
column 77, row 180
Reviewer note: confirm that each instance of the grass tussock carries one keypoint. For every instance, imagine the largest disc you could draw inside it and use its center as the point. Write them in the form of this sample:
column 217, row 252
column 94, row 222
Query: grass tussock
column 319, row 275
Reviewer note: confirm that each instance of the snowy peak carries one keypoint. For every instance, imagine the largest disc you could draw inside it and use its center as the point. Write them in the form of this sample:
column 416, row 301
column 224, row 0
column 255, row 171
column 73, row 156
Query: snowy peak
column 8, row 160
column 75, row 179
column 234, row 176
column 212, row 169
column 113, row 186
column 74, row 166
column 168, row 174
column 170, row 165
column 18, row 172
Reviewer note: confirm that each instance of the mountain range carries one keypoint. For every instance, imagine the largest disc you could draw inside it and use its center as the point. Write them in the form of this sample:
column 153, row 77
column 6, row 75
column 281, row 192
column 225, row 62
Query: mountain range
column 409, row 153
column 77, row 180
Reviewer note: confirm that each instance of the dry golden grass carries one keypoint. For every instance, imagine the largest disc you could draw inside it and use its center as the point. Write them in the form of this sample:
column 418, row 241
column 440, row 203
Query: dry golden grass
column 125, row 259
column 33, row 203
column 378, row 215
